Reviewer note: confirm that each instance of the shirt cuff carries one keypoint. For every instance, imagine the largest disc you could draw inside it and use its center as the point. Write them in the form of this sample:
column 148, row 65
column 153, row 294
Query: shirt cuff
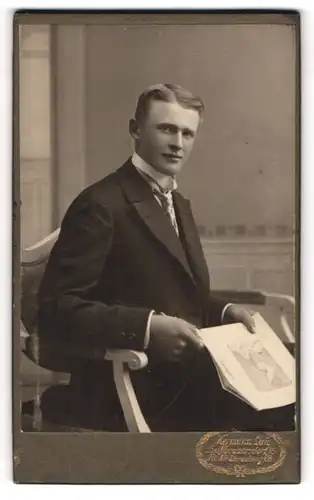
column 224, row 311
column 147, row 332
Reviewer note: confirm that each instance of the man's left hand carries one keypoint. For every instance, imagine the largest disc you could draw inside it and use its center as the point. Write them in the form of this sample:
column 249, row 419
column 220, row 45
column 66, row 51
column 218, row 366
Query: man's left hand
column 240, row 315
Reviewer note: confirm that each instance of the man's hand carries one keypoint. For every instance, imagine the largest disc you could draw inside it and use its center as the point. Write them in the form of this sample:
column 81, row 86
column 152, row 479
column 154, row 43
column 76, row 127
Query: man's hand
column 240, row 315
column 172, row 339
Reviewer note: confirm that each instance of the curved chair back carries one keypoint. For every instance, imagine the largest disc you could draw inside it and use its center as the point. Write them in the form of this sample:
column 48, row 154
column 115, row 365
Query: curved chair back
column 54, row 355
column 33, row 264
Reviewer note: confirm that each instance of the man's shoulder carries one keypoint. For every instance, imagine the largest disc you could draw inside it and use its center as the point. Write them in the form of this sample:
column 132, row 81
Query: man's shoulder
column 102, row 187
column 105, row 191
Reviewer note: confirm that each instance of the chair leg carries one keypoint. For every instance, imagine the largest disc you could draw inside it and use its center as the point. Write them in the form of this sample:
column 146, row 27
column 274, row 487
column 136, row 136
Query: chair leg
column 37, row 416
column 31, row 415
column 131, row 410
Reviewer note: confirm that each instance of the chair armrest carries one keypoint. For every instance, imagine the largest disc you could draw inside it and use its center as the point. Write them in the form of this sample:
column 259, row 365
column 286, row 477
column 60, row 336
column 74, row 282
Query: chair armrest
column 134, row 359
column 252, row 297
column 282, row 302
column 124, row 360
column 279, row 301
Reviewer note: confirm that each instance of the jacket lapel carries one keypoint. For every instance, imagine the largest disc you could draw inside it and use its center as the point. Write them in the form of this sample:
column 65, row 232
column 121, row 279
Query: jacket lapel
column 140, row 195
column 191, row 238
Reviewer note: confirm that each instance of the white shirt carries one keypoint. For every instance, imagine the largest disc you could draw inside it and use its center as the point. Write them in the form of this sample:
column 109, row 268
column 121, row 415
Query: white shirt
column 166, row 182
column 162, row 186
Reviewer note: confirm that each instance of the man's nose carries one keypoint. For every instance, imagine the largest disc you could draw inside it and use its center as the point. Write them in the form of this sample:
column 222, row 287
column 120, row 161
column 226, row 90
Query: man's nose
column 176, row 141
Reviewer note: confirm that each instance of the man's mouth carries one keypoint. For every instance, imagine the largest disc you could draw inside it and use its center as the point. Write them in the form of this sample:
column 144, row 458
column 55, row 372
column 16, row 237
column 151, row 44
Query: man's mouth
column 172, row 156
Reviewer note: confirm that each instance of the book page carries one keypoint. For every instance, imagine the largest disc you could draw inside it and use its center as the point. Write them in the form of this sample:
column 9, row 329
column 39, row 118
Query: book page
column 256, row 366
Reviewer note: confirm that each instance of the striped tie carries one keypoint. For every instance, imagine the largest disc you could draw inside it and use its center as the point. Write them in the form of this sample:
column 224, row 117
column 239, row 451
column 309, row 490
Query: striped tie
column 165, row 198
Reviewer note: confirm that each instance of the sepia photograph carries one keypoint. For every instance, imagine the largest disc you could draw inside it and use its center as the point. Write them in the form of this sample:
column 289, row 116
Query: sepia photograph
column 156, row 178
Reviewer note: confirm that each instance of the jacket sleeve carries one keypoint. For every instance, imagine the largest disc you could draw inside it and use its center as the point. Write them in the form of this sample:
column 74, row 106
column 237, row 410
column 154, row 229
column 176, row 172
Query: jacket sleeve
column 213, row 311
column 216, row 312
column 68, row 311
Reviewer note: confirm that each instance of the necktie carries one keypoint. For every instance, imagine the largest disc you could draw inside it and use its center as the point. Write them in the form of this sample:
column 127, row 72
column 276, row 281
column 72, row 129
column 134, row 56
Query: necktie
column 165, row 198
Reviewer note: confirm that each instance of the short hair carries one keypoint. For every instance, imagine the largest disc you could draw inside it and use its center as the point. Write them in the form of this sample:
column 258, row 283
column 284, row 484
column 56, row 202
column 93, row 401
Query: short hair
column 167, row 92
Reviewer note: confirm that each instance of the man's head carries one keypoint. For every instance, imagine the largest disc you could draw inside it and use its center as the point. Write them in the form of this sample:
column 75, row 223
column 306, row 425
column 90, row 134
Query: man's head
column 164, row 126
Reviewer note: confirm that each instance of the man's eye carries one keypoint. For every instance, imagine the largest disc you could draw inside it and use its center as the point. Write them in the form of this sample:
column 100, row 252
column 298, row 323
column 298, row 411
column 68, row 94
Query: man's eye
column 188, row 134
column 166, row 129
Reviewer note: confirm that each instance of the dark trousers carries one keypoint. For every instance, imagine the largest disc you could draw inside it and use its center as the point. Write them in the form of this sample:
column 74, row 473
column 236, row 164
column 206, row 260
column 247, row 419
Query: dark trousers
column 173, row 398
column 192, row 399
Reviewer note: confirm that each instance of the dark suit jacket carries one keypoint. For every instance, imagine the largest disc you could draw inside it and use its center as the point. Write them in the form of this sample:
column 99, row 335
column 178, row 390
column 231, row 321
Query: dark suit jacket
column 118, row 257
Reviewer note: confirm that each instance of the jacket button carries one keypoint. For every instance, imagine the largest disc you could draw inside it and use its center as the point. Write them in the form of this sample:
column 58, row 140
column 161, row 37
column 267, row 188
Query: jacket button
column 129, row 336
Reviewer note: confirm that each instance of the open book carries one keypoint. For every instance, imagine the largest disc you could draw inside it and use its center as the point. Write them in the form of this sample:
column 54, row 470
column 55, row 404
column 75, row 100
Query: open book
column 257, row 368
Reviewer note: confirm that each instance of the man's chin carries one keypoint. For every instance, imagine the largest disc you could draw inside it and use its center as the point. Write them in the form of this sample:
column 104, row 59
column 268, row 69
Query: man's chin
column 169, row 168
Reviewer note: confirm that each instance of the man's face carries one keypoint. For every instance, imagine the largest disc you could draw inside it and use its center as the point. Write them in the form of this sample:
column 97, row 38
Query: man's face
column 165, row 137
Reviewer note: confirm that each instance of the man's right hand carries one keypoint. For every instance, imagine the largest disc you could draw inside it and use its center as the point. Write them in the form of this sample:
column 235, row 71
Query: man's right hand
column 172, row 339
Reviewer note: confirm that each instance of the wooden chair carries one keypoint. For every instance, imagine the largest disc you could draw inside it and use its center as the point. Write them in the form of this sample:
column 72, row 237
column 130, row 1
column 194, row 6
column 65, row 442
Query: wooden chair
column 33, row 263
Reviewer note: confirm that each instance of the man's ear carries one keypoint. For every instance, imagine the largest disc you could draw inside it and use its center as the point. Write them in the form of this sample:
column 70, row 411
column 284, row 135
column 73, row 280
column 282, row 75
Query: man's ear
column 134, row 129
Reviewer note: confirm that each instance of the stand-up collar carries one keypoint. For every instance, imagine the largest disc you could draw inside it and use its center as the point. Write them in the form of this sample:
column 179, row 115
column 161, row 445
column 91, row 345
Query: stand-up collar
column 165, row 182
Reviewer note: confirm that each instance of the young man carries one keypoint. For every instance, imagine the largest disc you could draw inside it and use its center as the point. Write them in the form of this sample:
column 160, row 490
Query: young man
column 128, row 271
